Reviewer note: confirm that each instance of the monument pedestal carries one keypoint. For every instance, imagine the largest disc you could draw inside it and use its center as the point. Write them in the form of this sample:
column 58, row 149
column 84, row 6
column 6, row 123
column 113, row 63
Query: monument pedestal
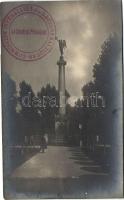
column 60, row 130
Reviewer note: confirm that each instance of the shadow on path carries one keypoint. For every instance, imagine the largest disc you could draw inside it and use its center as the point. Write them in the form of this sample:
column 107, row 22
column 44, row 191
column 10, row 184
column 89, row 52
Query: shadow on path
column 87, row 163
column 18, row 158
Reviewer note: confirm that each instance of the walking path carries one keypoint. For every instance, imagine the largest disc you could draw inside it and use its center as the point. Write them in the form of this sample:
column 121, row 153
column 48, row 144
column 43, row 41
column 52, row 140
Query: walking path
column 58, row 162
column 61, row 172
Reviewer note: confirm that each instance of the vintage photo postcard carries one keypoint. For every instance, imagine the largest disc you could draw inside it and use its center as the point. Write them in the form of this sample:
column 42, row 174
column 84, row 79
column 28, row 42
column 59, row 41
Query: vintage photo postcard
column 62, row 99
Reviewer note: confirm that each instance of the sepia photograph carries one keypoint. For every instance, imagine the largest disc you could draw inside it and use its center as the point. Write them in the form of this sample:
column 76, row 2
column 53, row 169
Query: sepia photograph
column 62, row 122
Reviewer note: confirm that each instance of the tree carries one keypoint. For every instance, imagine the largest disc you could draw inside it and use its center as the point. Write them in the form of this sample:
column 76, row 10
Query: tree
column 96, row 120
column 9, row 108
column 49, row 107
column 103, row 83
column 30, row 118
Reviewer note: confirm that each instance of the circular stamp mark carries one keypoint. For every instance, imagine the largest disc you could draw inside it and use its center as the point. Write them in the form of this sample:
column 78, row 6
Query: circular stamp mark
column 28, row 32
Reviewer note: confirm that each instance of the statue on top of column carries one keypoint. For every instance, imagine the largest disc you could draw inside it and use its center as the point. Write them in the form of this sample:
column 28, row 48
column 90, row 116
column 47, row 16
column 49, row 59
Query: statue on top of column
column 62, row 45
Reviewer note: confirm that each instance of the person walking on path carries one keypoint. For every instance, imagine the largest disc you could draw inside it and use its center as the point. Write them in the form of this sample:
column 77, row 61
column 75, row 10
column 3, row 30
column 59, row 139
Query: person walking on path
column 43, row 144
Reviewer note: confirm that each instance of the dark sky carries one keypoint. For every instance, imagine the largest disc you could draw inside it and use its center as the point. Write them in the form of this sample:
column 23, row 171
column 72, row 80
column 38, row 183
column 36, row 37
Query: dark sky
column 84, row 25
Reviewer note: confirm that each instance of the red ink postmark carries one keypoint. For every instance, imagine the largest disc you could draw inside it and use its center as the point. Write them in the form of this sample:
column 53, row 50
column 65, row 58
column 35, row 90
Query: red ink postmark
column 28, row 32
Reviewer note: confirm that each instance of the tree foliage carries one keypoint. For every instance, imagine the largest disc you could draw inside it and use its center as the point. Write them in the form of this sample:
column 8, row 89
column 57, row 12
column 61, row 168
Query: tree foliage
column 9, row 108
column 95, row 120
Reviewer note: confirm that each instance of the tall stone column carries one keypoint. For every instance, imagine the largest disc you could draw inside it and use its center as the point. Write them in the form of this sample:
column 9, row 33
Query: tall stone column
column 61, row 86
